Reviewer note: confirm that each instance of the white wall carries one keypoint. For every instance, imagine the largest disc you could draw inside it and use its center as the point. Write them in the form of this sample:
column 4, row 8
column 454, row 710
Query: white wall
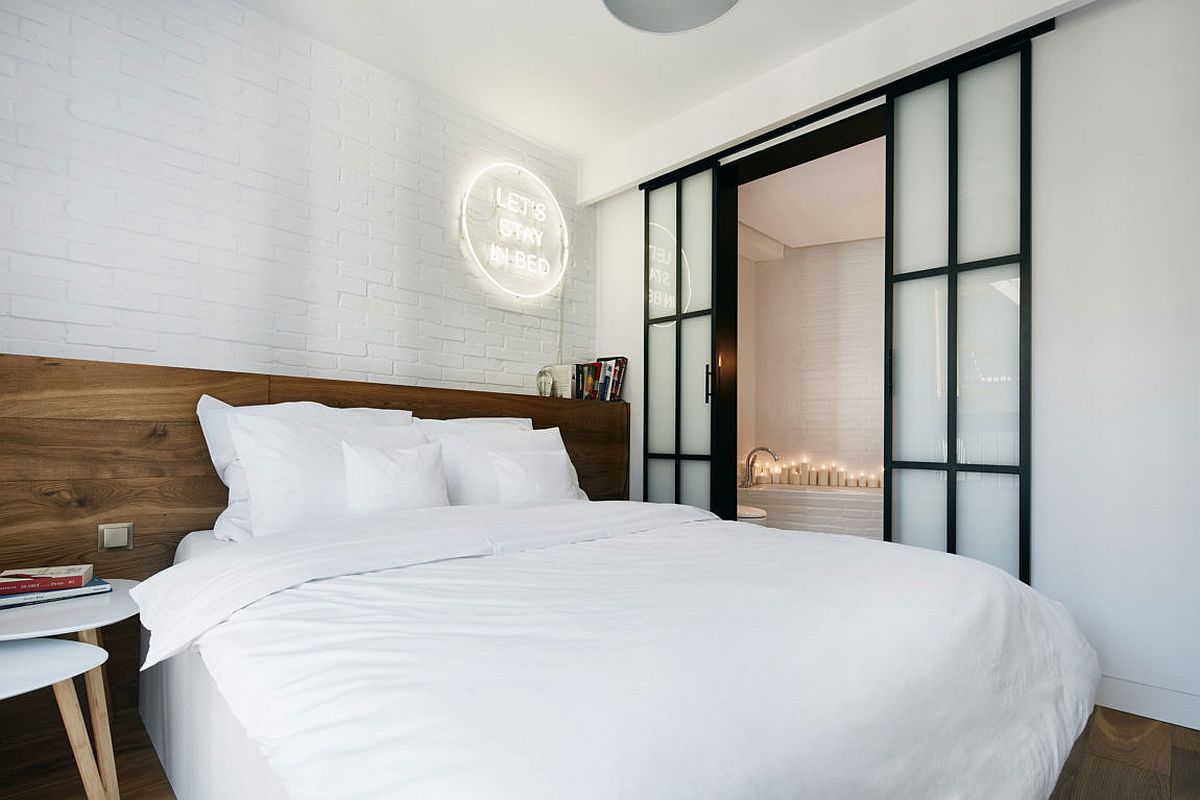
column 1116, row 349
column 191, row 183
column 818, row 342
column 620, row 309
column 918, row 34
column 1116, row 381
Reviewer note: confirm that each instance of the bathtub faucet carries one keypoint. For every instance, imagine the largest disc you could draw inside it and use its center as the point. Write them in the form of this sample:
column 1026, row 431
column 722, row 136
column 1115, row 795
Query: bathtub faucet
column 751, row 457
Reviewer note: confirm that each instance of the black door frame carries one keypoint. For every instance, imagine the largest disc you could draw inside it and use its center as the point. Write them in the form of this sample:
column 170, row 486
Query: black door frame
column 823, row 141
column 857, row 129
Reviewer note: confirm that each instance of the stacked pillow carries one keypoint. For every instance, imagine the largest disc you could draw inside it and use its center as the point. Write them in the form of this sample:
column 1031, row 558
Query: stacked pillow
column 293, row 464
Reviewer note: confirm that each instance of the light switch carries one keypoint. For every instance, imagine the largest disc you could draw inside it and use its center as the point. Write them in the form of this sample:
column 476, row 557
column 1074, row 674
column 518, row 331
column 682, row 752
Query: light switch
column 114, row 536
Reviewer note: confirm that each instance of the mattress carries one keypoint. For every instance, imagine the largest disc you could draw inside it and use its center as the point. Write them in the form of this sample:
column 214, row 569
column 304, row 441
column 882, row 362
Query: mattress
column 599, row 650
column 204, row 750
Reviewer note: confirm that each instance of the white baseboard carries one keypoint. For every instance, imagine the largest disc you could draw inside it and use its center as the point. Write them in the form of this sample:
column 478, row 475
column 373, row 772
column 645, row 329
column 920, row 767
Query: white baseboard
column 1165, row 705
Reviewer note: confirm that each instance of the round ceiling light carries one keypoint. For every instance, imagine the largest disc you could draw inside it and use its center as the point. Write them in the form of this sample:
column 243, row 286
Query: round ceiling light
column 668, row 16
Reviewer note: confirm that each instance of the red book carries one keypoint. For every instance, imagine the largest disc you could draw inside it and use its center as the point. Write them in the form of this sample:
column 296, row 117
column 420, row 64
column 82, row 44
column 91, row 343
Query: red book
column 44, row 579
column 38, row 585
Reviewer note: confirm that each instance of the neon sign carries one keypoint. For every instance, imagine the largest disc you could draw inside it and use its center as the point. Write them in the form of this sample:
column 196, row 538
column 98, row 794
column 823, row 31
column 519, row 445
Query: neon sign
column 514, row 230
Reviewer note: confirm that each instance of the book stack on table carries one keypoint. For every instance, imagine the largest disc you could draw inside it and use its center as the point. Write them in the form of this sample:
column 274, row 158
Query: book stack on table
column 22, row 587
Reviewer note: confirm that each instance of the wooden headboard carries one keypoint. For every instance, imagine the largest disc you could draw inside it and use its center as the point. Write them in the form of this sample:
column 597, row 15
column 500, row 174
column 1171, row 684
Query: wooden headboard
column 85, row 442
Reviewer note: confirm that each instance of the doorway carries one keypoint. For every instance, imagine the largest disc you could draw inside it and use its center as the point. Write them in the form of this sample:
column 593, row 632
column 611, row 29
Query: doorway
column 810, row 344
column 956, row 341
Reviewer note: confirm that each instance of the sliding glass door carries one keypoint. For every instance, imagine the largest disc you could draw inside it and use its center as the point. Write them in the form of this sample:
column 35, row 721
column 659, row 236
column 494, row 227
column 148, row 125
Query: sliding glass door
column 680, row 362
column 956, row 430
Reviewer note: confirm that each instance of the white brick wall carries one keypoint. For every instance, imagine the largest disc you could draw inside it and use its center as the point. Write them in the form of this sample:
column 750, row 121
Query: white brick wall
column 818, row 319
column 191, row 183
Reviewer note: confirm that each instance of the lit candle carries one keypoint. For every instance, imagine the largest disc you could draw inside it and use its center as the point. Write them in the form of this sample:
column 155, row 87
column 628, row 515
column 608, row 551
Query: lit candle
column 804, row 472
column 862, row 479
column 775, row 475
column 823, row 476
column 794, row 475
column 873, row 481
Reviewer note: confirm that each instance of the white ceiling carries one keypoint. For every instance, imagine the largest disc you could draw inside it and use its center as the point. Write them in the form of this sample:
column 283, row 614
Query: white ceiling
column 566, row 72
column 838, row 198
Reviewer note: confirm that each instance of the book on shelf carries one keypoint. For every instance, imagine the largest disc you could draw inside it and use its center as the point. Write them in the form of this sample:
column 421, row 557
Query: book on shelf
column 601, row 379
column 94, row 586
column 42, row 579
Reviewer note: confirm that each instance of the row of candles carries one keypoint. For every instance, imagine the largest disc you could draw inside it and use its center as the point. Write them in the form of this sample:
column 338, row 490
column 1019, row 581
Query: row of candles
column 805, row 474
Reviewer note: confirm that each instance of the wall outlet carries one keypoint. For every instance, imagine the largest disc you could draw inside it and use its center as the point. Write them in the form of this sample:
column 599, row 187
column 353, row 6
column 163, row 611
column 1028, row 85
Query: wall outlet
column 114, row 536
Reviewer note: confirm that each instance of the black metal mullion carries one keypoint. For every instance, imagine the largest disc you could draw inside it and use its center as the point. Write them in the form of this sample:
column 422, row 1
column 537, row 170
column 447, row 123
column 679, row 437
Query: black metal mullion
column 952, row 325
column 918, row 274
column 646, row 346
column 678, row 331
column 941, row 466
column 888, row 281
column 680, row 456
column 674, row 317
column 1025, row 316
column 985, row 263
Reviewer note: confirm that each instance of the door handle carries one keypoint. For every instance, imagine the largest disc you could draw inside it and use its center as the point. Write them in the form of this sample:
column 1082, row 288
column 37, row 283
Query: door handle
column 707, row 382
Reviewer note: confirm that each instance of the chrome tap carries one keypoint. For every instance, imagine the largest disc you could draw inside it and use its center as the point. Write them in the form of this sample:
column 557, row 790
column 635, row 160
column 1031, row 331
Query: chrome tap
column 751, row 457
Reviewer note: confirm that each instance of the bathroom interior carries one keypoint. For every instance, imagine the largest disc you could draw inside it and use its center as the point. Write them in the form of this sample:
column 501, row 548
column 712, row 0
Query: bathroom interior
column 810, row 339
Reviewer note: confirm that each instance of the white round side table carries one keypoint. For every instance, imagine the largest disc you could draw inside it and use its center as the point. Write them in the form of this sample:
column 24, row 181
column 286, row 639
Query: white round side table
column 30, row 664
column 82, row 616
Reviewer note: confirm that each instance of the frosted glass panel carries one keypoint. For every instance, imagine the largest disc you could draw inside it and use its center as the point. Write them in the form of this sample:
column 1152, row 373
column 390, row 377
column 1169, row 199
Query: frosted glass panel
column 989, row 160
column 919, row 508
column 989, row 329
column 660, row 391
column 919, row 370
column 661, row 252
column 694, row 483
column 921, row 191
column 660, row 480
column 695, row 424
column 697, row 218
column 987, row 519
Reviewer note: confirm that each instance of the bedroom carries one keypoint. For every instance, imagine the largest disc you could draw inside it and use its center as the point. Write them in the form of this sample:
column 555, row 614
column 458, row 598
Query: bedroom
column 277, row 201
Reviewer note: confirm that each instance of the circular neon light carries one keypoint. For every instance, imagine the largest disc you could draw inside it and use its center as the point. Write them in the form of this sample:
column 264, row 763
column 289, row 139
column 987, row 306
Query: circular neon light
column 514, row 230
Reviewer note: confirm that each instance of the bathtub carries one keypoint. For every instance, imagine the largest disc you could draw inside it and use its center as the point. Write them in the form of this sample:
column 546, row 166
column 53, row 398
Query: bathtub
column 857, row 512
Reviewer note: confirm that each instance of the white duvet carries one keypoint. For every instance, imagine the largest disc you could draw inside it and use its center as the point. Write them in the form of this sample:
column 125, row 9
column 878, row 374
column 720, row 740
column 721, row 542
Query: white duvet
column 627, row 650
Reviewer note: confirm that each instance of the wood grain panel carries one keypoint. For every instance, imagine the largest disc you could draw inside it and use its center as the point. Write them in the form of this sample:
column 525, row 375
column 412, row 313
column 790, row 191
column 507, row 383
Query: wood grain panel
column 62, row 449
column 39, row 518
column 49, row 388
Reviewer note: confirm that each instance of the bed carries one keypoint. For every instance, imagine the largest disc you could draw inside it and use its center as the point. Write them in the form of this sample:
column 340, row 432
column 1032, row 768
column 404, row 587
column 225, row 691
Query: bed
column 599, row 650
column 575, row 648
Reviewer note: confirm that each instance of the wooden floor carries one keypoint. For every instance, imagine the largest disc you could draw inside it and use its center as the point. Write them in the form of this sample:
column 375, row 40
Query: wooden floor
column 1118, row 757
column 1121, row 756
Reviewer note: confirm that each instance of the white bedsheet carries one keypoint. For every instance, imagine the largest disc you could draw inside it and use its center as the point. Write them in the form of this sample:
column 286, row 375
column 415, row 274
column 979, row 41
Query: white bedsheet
column 625, row 650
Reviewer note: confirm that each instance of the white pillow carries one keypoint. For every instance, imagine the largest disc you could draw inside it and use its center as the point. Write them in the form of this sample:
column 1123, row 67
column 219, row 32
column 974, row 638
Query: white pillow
column 466, row 457
column 392, row 480
column 452, row 427
column 295, row 471
column 234, row 522
column 536, row 476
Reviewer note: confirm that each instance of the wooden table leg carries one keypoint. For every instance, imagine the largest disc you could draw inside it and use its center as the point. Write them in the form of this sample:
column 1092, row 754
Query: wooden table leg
column 98, row 708
column 81, row 747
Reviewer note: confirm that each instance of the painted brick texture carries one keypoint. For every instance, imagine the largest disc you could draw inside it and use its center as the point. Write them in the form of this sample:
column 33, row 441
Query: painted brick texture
column 192, row 183
column 817, row 390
